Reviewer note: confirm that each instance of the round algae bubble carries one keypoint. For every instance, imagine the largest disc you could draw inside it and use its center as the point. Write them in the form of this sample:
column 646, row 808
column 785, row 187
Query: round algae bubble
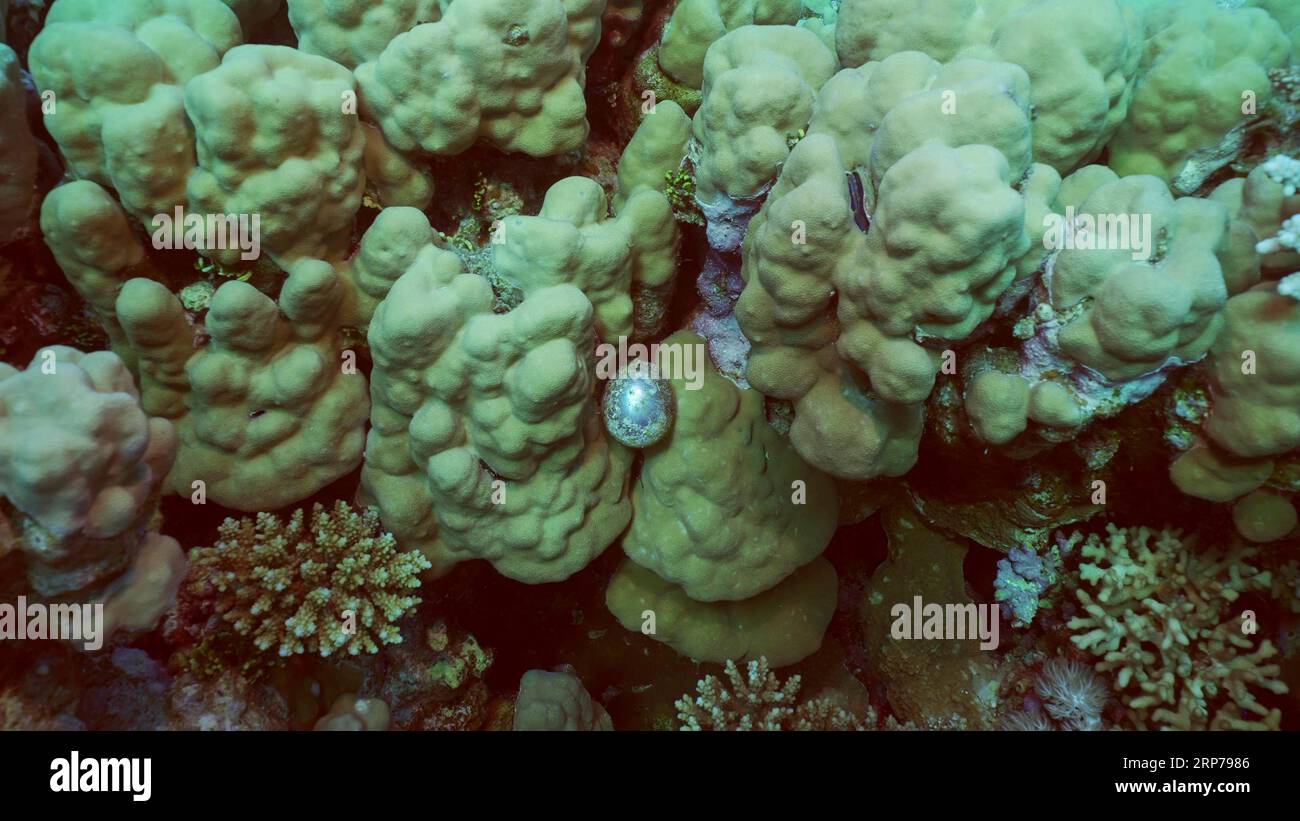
column 1264, row 517
column 638, row 411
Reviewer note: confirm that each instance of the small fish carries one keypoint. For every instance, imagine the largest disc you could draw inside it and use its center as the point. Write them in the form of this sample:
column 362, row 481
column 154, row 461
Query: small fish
column 856, row 195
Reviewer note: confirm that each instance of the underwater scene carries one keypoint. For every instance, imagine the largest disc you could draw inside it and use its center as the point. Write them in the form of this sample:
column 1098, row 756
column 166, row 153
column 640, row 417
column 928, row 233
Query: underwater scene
column 649, row 365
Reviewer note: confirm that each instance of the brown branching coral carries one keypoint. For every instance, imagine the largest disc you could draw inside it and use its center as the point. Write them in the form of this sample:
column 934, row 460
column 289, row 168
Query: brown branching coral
column 336, row 583
column 758, row 700
column 1157, row 618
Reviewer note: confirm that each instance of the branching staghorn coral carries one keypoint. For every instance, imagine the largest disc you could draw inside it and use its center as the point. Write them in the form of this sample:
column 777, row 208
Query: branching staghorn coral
column 758, row 700
column 1158, row 619
column 334, row 583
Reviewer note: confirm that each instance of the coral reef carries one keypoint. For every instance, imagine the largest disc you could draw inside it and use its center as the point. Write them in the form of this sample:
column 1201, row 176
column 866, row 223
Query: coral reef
column 329, row 584
column 935, row 684
column 724, row 507
column 1252, row 417
column 1025, row 579
column 116, row 73
column 349, row 713
column 1069, row 696
column 485, row 440
column 1158, row 619
column 625, row 266
column 557, row 701
column 305, row 175
column 83, row 512
column 518, row 78
column 469, row 364
column 1195, row 50
column 785, row 623
column 758, row 700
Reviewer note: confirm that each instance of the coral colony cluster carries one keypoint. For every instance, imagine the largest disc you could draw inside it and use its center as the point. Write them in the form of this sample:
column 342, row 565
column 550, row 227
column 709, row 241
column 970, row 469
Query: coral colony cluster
column 700, row 364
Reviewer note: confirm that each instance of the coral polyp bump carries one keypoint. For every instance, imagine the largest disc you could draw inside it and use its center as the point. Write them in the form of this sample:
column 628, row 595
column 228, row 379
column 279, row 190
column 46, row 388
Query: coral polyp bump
column 968, row 393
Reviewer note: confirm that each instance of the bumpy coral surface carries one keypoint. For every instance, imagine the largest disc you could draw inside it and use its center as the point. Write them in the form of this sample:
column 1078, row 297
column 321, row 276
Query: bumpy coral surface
column 119, row 118
column 304, row 175
column 1253, row 417
column 557, row 701
column 111, row 454
column 1181, row 117
column 486, row 442
column 785, row 623
column 724, row 507
column 508, row 71
column 616, row 262
column 79, row 485
column 355, row 31
column 269, row 396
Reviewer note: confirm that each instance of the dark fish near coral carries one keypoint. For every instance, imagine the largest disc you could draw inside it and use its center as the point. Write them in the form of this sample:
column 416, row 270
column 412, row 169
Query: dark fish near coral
column 856, row 195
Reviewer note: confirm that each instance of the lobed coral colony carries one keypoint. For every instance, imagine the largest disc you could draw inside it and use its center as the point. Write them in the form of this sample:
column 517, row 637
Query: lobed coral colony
column 699, row 364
